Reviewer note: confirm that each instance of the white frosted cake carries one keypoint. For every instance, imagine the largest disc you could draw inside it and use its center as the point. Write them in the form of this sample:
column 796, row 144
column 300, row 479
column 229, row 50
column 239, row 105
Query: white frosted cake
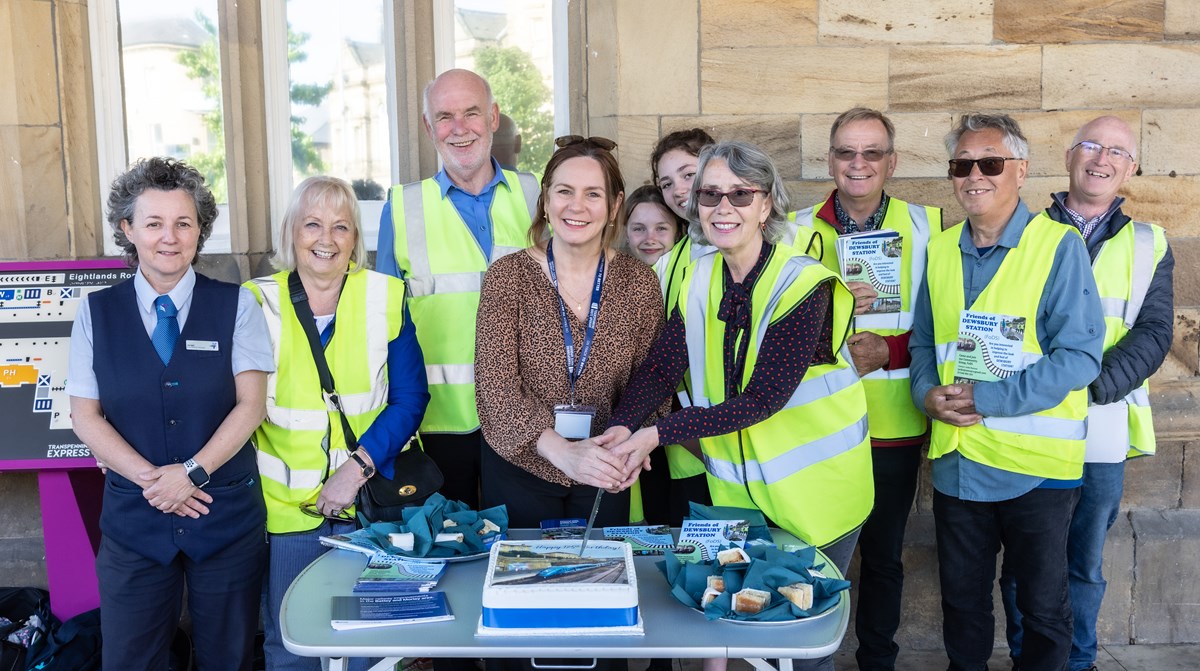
column 536, row 586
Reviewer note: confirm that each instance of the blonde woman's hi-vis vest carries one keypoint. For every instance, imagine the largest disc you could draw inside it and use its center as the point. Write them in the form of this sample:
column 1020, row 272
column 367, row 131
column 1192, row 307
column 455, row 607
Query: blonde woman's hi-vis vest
column 443, row 266
column 300, row 443
column 889, row 403
column 1124, row 269
column 808, row 466
column 1047, row 444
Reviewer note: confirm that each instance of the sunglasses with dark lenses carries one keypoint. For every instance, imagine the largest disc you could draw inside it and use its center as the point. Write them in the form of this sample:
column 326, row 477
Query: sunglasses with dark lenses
column 310, row 509
column 869, row 155
column 990, row 166
column 601, row 142
column 737, row 197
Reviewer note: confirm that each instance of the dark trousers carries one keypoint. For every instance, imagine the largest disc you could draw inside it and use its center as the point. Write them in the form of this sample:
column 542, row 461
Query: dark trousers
column 1032, row 529
column 880, row 545
column 140, row 603
column 531, row 499
column 457, row 455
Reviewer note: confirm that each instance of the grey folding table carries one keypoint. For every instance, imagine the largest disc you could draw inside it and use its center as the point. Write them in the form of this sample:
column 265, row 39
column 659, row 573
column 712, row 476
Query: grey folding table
column 672, row 630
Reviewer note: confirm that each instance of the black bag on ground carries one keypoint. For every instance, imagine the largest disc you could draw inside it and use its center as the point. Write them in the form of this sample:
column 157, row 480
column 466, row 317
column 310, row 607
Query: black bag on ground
column 17, row 605
column 416, row 475
column 73, row 646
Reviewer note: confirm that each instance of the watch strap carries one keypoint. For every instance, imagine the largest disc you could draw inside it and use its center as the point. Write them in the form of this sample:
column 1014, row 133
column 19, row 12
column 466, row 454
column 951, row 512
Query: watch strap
column 367, row 470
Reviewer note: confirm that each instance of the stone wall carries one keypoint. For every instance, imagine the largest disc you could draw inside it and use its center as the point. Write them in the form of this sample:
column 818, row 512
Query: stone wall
column 777, row 73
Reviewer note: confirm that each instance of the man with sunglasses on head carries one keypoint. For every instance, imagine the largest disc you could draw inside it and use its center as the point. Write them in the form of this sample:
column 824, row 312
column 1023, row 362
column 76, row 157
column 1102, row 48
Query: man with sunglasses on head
column 1133, row 266
column 1008, row 332
column 440, row 234
column 862, row 157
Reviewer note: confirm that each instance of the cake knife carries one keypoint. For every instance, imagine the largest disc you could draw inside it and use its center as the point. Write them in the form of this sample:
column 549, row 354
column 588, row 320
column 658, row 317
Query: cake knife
column 591, row 521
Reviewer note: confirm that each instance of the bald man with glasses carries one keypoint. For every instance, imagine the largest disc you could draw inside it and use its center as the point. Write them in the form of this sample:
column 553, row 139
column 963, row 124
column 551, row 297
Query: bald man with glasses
column 1008, row 332
column 1133, row 266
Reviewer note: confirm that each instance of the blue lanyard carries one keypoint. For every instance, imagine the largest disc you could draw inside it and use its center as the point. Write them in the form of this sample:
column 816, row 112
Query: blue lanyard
column 575, row 368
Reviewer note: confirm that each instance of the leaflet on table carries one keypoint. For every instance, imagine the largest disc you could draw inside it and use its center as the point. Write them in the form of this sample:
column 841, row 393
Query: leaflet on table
column 563, row 529
column 393, row 573
column 356, row 541
column 989, row 347
column 700, row 540
column 643, row 540
column 361, row 612
column 874, row 257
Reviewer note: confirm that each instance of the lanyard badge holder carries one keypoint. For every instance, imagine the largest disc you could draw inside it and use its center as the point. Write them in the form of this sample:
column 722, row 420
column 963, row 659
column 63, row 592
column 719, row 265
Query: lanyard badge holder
column 571, row 420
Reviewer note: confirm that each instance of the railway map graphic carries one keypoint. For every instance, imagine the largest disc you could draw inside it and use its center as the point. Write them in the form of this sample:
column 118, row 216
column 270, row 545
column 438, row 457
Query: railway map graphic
column 38, row 302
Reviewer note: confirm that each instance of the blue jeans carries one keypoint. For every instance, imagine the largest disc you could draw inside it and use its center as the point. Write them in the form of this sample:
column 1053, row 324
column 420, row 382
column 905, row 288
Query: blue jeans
column 1032, row 529
column 1099, row 503
column 289, row 555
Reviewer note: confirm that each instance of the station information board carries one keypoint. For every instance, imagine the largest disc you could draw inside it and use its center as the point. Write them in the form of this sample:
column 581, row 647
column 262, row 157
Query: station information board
column 38, row 302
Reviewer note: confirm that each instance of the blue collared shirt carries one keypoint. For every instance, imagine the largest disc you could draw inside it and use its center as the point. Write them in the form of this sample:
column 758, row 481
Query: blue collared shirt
column 1070, row 330
column 475, row 210
column 251, row 341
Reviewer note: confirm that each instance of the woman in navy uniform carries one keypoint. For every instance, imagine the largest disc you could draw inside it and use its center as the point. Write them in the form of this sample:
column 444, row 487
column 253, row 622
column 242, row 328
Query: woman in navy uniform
column 167, row 380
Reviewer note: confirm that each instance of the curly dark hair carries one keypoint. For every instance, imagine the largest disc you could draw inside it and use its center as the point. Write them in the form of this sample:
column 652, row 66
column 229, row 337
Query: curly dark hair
column 163, row 174
column 691, row 141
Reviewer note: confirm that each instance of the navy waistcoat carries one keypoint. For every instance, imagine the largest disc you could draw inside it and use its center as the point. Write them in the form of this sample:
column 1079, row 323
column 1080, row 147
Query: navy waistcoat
column 167, row 413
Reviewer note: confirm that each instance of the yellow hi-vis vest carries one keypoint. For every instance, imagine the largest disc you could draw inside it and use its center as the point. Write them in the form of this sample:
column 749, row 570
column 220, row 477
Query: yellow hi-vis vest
column 443, row 266
column 1049, row 443
column 297, row 448
column 808, row 466
column 1124, row 269
column 889, row 402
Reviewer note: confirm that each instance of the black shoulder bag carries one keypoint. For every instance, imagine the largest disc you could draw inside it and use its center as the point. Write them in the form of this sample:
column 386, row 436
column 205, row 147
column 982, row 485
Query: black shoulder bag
column 416, row 475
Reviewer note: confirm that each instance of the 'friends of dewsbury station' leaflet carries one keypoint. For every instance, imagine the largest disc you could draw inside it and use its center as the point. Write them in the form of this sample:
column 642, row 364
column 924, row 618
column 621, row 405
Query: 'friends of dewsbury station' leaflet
column 989, row 347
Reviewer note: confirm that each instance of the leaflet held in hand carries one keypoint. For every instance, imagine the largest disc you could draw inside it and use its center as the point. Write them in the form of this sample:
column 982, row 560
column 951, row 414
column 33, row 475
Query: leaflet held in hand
column 989, row 347
column 874, row 258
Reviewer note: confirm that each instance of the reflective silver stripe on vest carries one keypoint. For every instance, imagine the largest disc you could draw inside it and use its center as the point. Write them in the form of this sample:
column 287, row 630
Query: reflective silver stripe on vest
column 275, row 469
column 1139, row 397
column 446, row 283
column 791, row 462
column 881, row 374
column 531, row 190
column 1036, row 425
column 825, row 385
column 1114, row 307
column 500, row 250
column 1143, row 270
column 450, row 373
column 414, row 227
column 694, row 327
column 293, row 419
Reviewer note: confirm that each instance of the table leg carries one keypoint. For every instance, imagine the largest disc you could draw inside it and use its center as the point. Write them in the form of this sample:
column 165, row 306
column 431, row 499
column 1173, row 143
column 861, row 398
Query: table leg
column 766, row 665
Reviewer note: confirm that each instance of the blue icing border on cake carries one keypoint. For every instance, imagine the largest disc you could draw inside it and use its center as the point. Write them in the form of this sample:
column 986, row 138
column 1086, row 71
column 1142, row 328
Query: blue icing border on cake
column 557, row 618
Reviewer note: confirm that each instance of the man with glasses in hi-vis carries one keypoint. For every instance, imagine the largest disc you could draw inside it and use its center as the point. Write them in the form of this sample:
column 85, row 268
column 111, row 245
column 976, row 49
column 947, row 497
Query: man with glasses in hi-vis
column 440, row 234
column 1008, row 332
column 862, row 158
column 1132, row 264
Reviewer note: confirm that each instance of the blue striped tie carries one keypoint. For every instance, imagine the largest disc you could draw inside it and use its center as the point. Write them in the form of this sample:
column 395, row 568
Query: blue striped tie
column 166, row 331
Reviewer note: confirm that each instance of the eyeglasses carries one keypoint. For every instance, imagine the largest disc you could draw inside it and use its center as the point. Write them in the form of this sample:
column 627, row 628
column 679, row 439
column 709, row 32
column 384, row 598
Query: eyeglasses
column 310, row 509
column 601, row 142
column 1093, row 149
column 989, row 166
column 869, row 155
column 737, row 198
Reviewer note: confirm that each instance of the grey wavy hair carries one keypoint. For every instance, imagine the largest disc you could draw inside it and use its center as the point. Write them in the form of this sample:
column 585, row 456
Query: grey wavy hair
column 322, row 191
column 162, row 174
column 974, row 122
column 751, row 165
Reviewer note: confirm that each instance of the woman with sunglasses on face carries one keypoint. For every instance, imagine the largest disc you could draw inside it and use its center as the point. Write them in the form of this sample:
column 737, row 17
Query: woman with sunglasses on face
column 310, row 474
column 561, row 327
column 776, row 403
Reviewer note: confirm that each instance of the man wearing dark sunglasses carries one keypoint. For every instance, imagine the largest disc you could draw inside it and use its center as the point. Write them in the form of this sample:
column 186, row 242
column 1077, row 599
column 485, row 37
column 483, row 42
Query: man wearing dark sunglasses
column 862, row 157
column 1009, row 410
column 440, row 234
column 1133, row 267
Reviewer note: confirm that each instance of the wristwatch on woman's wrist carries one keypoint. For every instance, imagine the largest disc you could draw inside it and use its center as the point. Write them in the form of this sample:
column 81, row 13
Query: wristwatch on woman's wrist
column 368, row 470
column 196, row 473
